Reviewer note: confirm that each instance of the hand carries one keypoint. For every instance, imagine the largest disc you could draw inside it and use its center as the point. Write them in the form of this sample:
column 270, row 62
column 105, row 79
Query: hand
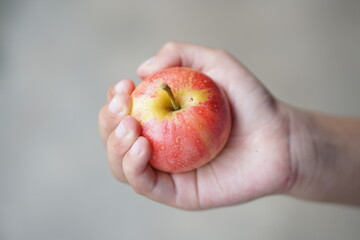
column 255, row 162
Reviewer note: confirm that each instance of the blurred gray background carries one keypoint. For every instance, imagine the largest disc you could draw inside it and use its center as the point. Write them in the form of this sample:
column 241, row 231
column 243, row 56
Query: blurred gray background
column 57, row 58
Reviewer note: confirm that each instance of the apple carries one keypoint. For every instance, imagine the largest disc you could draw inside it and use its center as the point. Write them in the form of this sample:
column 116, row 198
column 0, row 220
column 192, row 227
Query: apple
column 184, row 115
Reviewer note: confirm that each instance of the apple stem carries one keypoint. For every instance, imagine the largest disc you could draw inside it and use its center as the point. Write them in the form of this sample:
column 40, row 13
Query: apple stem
column 171, row 96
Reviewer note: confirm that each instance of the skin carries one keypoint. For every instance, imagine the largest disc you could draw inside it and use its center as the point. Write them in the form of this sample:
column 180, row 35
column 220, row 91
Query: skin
column 273, row 148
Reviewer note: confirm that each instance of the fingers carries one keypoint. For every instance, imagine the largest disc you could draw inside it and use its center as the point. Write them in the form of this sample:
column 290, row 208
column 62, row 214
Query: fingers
column 143, row 178
column 175, row 54
column 117, row 107
column 129, row 154
column 136, row 168
column 221, row 66
column 124, row 86
column 119, row 143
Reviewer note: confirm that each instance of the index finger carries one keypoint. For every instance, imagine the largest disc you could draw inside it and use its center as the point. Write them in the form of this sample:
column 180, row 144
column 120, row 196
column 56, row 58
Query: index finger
column 175, row 54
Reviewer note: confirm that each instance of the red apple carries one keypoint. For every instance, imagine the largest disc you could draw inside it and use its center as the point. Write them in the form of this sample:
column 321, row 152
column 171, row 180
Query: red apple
column 184, row 115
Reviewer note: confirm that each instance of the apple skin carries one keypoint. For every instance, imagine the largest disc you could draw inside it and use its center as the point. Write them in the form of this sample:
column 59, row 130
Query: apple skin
column 188, row 138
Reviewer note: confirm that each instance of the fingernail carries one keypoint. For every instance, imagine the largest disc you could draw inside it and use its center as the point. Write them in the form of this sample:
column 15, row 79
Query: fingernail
column 135, row 149
column 148, row 62
column 119, row 87
column 114, row 105
column 121, row 131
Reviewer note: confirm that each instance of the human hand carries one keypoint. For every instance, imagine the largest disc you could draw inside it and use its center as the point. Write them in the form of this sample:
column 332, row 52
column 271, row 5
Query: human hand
column 255, row 162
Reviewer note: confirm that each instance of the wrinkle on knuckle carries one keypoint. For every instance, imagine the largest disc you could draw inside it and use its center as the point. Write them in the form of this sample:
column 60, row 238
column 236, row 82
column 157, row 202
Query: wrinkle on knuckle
column 116, row 147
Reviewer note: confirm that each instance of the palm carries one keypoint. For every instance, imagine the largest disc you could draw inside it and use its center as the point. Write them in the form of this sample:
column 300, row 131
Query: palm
column 255, row 161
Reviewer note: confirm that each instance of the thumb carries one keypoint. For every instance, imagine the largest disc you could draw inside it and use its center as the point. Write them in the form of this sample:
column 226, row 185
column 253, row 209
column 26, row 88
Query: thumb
column 229, row 73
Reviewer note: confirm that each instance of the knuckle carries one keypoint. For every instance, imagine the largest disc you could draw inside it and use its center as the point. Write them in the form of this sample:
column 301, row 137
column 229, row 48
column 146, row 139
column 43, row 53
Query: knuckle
column 139, row 188
column 116, row 147
column 142, row 187
column 126, row 99
column 139, row 191
column 106, row 121
column 127, row 168
column 119, row 176
column 137, row 179
column 109, row 94
column 130, row 168
column 171, row 46
column 222, row 53
column 101, row 117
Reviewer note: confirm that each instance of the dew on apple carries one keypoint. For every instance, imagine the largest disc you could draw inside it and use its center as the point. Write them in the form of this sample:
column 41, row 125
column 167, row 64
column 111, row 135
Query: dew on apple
column 188, row 138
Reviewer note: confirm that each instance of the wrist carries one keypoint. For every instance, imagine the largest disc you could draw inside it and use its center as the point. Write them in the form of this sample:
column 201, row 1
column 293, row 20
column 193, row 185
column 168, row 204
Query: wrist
column 325, row 157
column 302, row 149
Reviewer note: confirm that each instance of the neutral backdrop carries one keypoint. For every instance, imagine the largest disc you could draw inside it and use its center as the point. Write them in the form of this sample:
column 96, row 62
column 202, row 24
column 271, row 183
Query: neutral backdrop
column 57, row 58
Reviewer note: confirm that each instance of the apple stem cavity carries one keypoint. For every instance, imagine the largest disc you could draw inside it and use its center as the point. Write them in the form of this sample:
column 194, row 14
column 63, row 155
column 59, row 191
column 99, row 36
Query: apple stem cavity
column 174, row 104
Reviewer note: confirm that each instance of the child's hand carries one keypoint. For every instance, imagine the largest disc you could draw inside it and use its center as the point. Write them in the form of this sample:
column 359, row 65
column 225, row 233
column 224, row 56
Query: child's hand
column 255, row 162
